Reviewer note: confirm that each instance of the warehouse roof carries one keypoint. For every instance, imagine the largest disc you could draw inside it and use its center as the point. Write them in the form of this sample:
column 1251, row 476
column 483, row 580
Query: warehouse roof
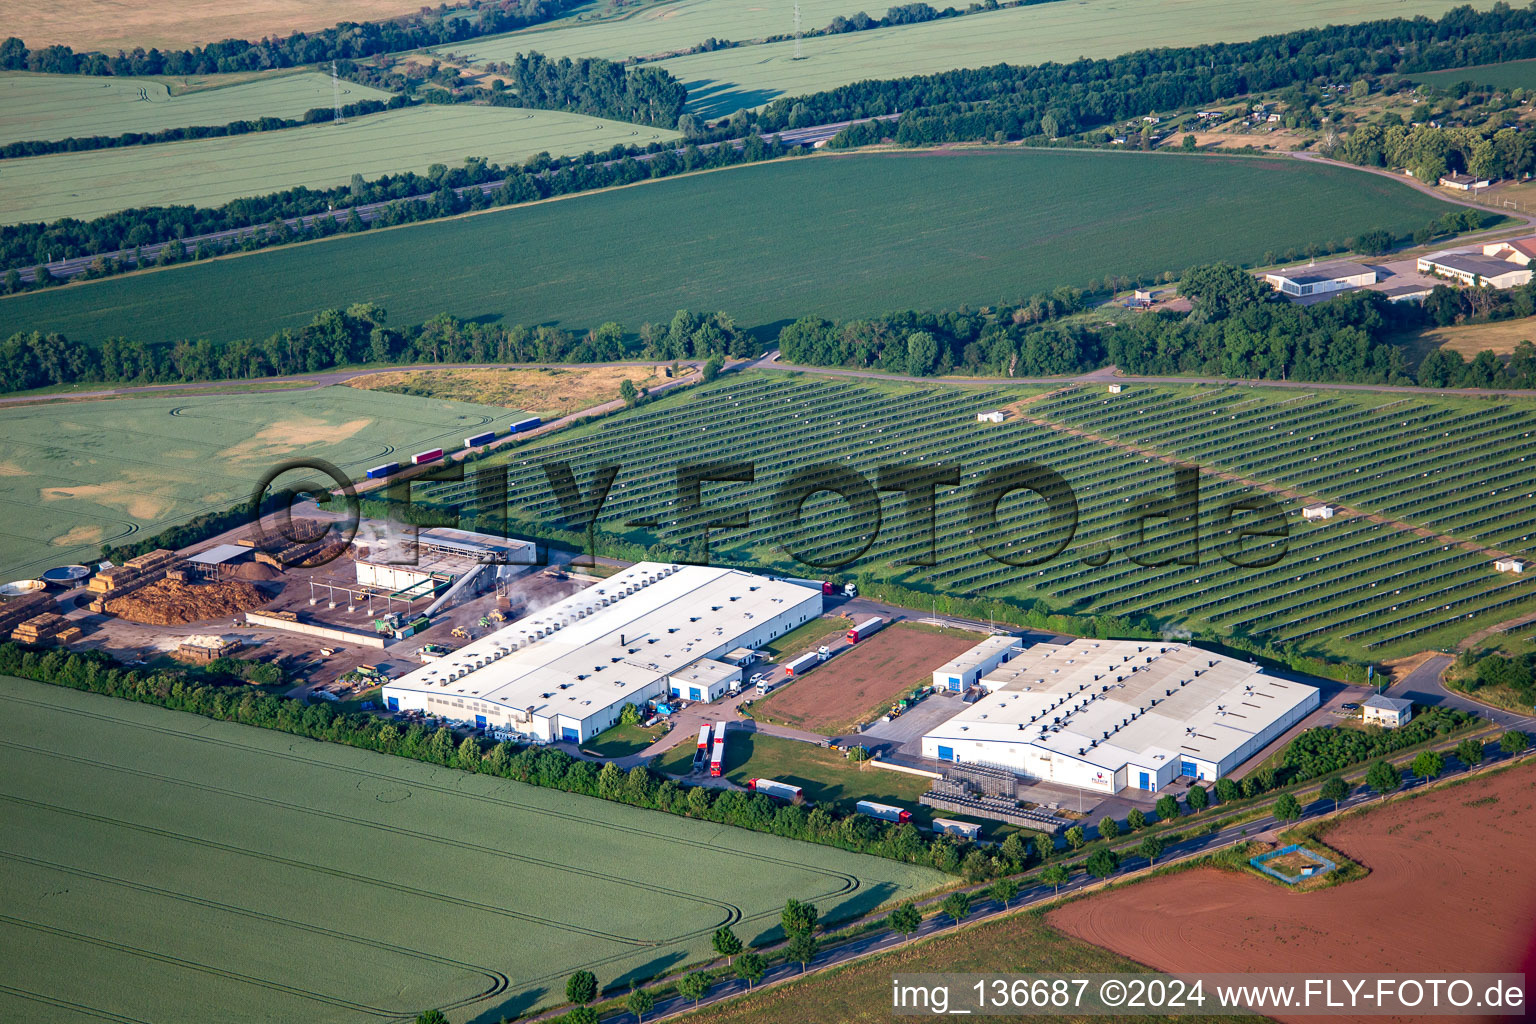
column 219, row 554
column 1318, row 273
column 978, row 655
column 1383, row 703
column 1113, row 702
column 594, row 647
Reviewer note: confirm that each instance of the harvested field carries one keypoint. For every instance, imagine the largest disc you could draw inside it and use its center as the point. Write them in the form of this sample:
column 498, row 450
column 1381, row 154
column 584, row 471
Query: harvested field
column 548, row 392
column 111, row 25
column 1446, row 892
column 173, row 603
column 730, row 246
column 1499, row 337
column 103, row 471
column 51, row 107
column 208, row 172
column 859, row 683
column 163, row 867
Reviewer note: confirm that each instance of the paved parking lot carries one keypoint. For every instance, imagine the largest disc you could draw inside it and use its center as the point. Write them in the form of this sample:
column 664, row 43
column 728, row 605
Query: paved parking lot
column 904, row 735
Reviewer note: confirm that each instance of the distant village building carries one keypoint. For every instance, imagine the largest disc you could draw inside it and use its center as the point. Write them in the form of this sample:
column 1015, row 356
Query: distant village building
column 1387, row 712
column 1321, row 278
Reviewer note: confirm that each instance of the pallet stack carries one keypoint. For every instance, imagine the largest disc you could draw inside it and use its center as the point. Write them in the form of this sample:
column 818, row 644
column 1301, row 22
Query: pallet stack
column 39, row 628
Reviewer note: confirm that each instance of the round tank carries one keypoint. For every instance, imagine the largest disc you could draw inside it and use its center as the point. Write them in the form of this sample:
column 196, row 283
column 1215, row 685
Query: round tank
column 21, row 588
column 66, row 575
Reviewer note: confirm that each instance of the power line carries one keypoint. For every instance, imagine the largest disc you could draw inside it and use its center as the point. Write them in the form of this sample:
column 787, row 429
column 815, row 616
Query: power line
column 336, row 117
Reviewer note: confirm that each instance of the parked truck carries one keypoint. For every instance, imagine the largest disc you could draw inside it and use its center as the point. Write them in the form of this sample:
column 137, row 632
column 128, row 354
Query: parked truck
column 530, row 423
column 380, row 472
column 866, row 629
column 701, row 755
column 430, row 455
column 476, row 440
column 717, row 756
column 777, row 790
column 802, row 663
column 885, row 812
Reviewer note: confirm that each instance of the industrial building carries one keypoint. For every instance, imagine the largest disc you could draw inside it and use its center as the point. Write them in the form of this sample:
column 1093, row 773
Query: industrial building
column 1321, row 278
column 1474, row 269
column 1108, row 715
column 567, row 672
column 962, row 672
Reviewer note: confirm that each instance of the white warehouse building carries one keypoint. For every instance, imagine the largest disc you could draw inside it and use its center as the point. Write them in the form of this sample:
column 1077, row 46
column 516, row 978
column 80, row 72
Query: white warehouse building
column 650, row 631
column 964, row 671
column 1108, row 715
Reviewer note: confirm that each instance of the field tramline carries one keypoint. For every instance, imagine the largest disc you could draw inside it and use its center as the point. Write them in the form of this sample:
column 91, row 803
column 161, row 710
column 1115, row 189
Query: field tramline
column 1434, row 482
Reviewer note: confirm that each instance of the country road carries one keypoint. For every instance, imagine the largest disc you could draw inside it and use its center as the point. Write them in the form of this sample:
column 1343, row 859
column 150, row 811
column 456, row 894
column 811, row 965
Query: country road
column 883, row 940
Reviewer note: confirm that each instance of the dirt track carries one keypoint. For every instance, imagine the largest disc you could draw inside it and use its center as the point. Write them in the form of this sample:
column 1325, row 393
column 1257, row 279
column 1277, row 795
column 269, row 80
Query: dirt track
column 1452, row 888
column 832, row 697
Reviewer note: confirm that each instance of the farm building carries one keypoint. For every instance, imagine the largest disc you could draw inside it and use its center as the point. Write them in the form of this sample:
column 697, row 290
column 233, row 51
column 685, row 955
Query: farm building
column 1108, row 715
column 1474, row 269
column 1464, row 182
column 567, row 672
column 1387, row 712
column 960, row 674
column 1321, row 278
column 1519, row 251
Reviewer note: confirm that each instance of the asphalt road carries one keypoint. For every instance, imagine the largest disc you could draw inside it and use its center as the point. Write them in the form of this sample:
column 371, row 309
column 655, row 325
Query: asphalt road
column 369, row 212
column 1423, row 686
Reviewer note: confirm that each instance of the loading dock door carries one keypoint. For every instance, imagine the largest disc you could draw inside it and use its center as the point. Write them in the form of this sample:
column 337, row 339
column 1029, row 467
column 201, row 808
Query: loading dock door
column 946, row 753
column 954, row 684
column 479, row 721
column 1146, row 781
column 394, row 703
column 693, row 693
column 570, row 735
column 1188, row 768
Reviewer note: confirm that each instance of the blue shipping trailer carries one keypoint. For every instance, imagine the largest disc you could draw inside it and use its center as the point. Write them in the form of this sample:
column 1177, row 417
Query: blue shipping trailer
column 480, row 439
column 527, row 424
column 380, row 472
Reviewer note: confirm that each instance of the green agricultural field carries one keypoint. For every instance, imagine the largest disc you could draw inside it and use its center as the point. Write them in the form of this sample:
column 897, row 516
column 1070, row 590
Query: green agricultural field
column 1432, row 489
column 727, row 80
column 208, row 172
column 835, row 235
column 74, row 476
column 1513, row 74
column 659, row 28
column 49, row 107
column 163, row 867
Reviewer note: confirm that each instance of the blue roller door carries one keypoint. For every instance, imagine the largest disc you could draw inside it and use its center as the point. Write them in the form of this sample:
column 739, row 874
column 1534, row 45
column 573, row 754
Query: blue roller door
column 1146, row 781
column 693, row 693
column 954, row 684
column 1188, row 768
column 570, row 735
column 946, row 753
column 394, row 703
column 479, row 721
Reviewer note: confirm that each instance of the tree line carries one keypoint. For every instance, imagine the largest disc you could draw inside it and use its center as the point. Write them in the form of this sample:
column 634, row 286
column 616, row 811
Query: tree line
column 197, row 693
column 77, row 144
column 1009, row 102
column 1323, row 751
column 592, row 86
column 539, row 177
column 349, row 40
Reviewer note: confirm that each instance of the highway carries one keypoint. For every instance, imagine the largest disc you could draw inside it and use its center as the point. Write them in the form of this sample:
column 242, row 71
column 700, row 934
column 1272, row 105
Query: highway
column 369, row 212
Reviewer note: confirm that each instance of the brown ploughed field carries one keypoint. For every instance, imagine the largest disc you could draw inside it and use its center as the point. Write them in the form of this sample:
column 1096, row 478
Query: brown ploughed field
column 1452, row 888
column 110, row 25
column 832, row 698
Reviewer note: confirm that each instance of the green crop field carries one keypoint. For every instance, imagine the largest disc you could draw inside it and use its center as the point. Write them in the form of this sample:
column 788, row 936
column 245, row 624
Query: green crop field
column 1512, row 74
column 726, row 80
column 76, row 475
column 659, row 28
column 207, row 172
column 48, row 107
column 1432, row 488
column 163, row 867
column 837, row 236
